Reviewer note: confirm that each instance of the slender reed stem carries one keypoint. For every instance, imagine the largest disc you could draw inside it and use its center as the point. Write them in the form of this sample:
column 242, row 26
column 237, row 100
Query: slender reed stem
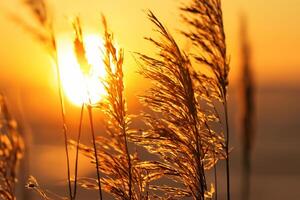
column 63, row 113
column 77, row 150
column 126, row 147
column 215, row 165
column 216, row 179
column 227, row 147
column 95, row 148
column 129, row 162
column 201, row 173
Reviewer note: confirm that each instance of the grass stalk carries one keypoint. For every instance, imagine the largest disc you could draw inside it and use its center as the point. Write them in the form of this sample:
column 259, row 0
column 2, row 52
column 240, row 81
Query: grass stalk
column 89, row 107
column 85, row 67
column 42, row 16
column 128, row 161
column 227, row 147
column 77, row 151
column 63, row 114
column 216, row 180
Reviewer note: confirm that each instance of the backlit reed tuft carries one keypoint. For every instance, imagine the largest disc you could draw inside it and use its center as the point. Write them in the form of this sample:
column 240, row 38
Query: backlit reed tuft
column 79, row 48
column 11, row 152
column 205, row 20
column 178, row 128
column 45, row 34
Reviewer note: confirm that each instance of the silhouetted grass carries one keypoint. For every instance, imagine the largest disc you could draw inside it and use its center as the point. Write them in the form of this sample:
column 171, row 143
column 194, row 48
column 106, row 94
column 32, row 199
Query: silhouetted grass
column 178, row 129
column 205, row 20
column 180, row 126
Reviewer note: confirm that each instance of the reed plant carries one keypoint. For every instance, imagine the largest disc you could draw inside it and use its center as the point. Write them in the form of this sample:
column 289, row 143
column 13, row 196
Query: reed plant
column 11, row 152
column 247, row 108
column 179, row 127
column 206, row 31
column 181, row 121
column 45, row 34
column 123, row 174
column 85, row 68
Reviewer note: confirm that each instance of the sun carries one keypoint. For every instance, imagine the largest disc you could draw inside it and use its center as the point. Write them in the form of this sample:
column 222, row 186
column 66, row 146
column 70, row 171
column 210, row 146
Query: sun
column 78, row 87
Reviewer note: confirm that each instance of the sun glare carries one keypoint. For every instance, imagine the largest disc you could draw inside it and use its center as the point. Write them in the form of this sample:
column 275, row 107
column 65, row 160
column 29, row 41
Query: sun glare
column 80, row 88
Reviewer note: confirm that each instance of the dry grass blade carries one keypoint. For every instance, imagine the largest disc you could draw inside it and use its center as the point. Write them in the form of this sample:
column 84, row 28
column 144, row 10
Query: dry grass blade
column 77, row 151
column 205, row 19
column 11, row 151
column 179, row 130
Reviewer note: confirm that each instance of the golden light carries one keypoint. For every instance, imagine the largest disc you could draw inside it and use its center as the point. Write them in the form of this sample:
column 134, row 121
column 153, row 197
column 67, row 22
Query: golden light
column 80, row 88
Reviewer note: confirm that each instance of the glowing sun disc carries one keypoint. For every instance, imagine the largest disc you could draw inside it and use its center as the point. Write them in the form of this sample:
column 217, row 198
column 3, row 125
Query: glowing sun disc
column 80, row 88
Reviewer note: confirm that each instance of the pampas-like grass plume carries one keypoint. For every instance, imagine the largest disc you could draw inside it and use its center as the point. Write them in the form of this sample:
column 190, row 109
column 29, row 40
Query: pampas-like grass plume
column 205, row 19
column 178, row 130
column 11, row 151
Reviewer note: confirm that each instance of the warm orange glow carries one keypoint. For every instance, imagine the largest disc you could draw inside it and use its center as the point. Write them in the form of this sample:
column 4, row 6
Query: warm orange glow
column 80, row 88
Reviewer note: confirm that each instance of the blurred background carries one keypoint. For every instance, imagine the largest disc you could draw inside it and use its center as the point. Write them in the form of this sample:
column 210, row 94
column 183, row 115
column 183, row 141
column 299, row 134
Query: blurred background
column 28, row 79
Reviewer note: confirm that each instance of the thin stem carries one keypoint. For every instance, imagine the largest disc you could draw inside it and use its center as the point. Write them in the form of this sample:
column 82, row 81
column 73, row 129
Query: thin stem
column 227, row 147
column 216, row 179
column 200, row 172
column 129, row 162
column 95, row 148
column 123, row 122
column 63, row 114
column 215, row 163
column 77, row 150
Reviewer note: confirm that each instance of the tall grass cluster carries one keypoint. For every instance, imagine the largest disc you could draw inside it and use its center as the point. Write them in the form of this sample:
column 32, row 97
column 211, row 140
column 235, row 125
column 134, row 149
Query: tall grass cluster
column 184, row 129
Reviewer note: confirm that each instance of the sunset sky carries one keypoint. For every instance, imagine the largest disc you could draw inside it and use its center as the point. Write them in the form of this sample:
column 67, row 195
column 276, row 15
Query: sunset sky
column 274, row 33
column 28, row 77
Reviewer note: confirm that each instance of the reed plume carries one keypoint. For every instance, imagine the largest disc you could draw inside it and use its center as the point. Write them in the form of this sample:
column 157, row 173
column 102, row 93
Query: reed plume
column 205, row 20
column 11, row 152
column 123, row 174
column 247, row 103
column 179, row 126
column 116, row 111
column 44, row 33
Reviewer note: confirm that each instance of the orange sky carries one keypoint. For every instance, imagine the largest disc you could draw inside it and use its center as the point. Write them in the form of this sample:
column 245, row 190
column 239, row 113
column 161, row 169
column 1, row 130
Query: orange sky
column 273, row 29
column 273, row 26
